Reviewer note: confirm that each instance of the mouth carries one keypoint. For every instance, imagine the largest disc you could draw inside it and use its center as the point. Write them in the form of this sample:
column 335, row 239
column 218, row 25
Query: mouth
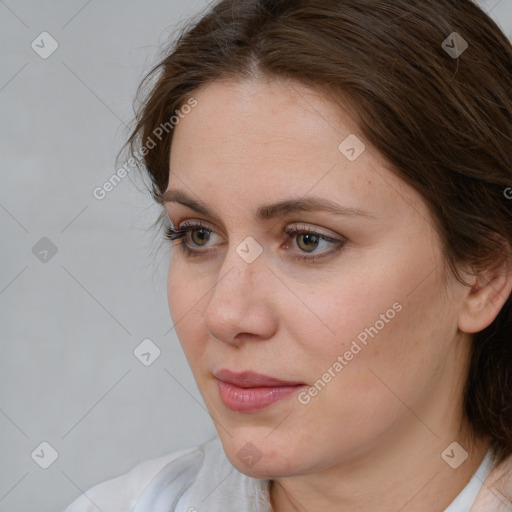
column 249, row 392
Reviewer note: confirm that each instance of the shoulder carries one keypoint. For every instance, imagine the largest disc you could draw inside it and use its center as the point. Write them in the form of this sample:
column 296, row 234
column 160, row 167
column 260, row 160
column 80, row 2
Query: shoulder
column 120, row 494
column 199, row 478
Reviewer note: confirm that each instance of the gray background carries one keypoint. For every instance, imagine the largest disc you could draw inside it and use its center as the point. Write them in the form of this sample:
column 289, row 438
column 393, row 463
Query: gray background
column 70, row 323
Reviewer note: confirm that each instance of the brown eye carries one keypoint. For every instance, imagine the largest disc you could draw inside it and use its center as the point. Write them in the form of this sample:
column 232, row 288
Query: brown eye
column 200, row 236
column 307, row 242
column 310, row 243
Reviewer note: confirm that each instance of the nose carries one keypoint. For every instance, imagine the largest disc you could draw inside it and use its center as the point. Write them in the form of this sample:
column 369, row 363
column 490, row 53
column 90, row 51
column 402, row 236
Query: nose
column 240, row 306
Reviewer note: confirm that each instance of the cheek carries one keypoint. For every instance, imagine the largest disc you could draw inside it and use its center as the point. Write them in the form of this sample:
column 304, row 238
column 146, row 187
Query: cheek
column 186, row 304
column 394, row 322
column 397, row 363
column 403, row 357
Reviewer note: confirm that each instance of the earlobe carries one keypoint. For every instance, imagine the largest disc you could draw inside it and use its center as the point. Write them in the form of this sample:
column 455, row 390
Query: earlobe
column 485, row 299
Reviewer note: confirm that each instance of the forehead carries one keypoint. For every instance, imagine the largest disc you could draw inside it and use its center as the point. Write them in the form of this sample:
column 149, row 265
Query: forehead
column 258, row 138
column 271, row 113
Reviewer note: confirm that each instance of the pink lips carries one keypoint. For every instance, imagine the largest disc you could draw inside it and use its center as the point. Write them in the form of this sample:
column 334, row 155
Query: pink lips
column 250, row 392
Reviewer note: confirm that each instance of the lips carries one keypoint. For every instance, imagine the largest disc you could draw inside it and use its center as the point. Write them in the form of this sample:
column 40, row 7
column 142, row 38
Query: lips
column 250, row 392
column 251, row 379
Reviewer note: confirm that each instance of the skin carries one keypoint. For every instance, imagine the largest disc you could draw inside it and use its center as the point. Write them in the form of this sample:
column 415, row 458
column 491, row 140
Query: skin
column 372, row 438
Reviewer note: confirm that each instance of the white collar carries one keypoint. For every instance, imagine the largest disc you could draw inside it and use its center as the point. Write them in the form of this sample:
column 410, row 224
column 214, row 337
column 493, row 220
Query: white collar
column 466, row 497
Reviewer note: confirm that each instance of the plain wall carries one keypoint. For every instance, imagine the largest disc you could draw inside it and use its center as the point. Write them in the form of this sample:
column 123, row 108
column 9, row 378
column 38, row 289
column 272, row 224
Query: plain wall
column 70, row 321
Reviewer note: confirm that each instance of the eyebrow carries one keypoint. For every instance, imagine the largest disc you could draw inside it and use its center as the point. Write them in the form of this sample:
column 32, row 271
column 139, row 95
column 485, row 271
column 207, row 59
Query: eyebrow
column 270, row 211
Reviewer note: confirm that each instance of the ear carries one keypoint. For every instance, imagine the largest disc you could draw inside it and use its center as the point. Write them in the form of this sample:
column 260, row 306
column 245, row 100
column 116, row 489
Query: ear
column 487, row 295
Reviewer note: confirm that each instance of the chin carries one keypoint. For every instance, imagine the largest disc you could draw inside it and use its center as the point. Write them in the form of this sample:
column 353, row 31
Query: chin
column 254, row 455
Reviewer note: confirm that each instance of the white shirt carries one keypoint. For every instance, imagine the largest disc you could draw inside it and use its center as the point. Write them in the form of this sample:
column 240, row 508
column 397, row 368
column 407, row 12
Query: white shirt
column 202, row 479
column 466, row 497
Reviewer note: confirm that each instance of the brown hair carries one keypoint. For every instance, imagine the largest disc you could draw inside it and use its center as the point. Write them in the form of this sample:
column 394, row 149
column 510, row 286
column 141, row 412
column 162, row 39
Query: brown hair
column 443, row 121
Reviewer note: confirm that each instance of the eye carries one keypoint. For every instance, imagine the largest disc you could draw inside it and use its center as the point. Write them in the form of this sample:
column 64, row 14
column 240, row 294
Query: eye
column 200, row 236
column 308, row 240
column 193, row 235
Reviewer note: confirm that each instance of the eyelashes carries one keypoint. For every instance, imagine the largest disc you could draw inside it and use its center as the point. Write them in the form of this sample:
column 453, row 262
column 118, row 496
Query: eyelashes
column 308, row 234
column 172, row 234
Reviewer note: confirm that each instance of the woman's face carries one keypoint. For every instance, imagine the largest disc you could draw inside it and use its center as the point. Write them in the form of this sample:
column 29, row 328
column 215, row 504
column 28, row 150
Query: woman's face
column 362, row 326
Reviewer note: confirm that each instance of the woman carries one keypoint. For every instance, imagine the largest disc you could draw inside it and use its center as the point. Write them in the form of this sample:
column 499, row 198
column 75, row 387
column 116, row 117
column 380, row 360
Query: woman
column 334, row 179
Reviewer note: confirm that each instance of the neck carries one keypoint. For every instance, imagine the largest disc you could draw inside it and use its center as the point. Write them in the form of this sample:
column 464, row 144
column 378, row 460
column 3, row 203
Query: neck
column 412, row 479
